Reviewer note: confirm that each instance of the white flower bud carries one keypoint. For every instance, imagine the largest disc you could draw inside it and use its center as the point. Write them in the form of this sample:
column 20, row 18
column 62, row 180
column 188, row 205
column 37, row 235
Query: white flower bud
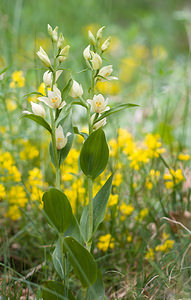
column 44, row 57
column 76, row 90
column 96, row 61
column 99, row 124
column 38, row 109
column 106, row 71
column 64, row 53
column 99, row 33
column 48, row 76
column 60, row 43
column 53, row 33
column 61, row 140
column 91, row 38
column 86, row 53
column 106, row 44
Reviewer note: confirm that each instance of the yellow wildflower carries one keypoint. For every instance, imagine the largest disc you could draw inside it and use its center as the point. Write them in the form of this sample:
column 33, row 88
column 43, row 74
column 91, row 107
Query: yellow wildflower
column 113, row 200
column 105, row 242
column 149, row 254
column 2, row 192
column 18, row 79
column 183, row 156
column 126, row 209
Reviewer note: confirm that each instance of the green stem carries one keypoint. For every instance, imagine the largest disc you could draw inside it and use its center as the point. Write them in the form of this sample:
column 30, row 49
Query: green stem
column 90, row 224
column 55, row 149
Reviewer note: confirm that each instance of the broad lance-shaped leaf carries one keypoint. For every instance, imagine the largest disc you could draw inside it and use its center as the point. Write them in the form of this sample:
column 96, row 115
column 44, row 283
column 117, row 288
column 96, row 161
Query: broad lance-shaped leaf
column 54, row 290
column 84, row 264
column 58, row 209
column 96, row 291
column 114, row 110
column 94, row 154
column 99, row 208
column 38, row 119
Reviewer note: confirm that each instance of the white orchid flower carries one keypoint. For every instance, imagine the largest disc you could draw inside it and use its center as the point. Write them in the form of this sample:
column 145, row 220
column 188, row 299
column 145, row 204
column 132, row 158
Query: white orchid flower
column 105, row 72
column 48, row 76
column 76, row 90
column 38, row 109
column 44, row 57
column 61, row 139
column 99, row 104
column 54, row 99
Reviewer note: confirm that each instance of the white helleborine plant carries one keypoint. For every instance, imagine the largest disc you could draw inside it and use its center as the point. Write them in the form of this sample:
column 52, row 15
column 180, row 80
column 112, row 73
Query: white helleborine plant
column 38, row 109
column 54, row 99
column 48, row 76
column 96, row 61
column 99, row 104
column 61, row 139
column 76, row 90
column 44, row 57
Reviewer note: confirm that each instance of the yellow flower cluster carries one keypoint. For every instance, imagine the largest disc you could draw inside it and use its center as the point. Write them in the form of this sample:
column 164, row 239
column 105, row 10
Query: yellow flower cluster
column 105, row 242
column 126, row 210
column 8, row 171
column 108, row 87
column 149, row 254
column 167, row 245
column 35, row 185
column 152, row 178
column 29, row 151
column 16, row 197
column 113, row 200
column 183, row 156
column 18, row 79
column 173, row 177
column 2, row 192
column 142, row 214
column 138, row 155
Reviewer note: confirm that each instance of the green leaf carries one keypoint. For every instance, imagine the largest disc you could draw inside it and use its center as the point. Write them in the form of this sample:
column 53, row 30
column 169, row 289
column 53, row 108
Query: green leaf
column 57, row 260
column 84, row 265
column 33, row 93
column 99, row 208
column 114, row 110
column 67, row 88
column 94, row 154
column 83, row 134
column 39, row 120
column 54, row 290
column 58, row 209
column 96, row 291
column 74, row 230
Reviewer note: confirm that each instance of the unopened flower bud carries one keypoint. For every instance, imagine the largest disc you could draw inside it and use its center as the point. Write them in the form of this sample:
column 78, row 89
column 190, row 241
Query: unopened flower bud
column 61, row 139
column 76, row 90
column 44, row 57
column 99, row 33
column 53, row 33
column 60, row 43
column 38, row 109
column 96, row 61
column 106, row 44
column 64, row 53
column 91, row 38
column 86, row 53
column 105, row 71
